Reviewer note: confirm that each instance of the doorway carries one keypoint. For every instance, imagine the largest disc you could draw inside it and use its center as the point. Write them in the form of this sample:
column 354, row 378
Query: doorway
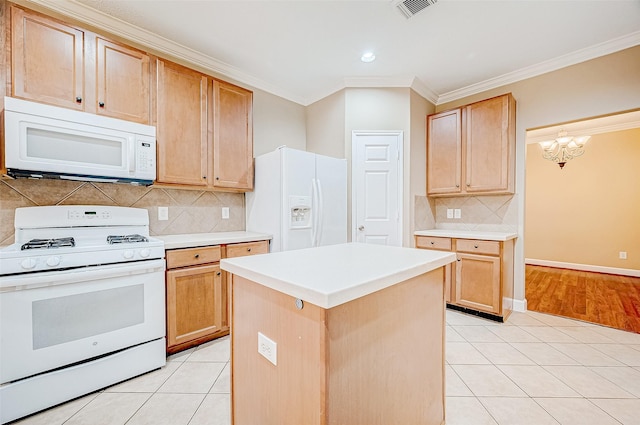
column 377, row 183
column 581, row 229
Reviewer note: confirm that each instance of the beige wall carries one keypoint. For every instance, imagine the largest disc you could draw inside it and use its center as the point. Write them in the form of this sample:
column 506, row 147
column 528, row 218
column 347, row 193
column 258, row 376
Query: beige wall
column 420, row 215
column 277, row 122
column 600, row 86
column 325, row 121
column 589, row 211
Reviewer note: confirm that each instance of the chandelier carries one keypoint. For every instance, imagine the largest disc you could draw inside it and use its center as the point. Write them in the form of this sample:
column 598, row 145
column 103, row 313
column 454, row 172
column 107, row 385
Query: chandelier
column 563, row 148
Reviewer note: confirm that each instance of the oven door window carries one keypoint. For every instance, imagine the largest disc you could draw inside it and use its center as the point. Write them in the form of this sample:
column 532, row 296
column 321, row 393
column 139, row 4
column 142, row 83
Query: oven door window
column 73, row 317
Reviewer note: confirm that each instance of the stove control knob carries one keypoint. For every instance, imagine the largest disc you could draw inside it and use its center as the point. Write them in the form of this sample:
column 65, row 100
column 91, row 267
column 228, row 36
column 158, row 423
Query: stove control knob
column 144, row 252
column 53, row 261
column 28, row 263
column 128, row 254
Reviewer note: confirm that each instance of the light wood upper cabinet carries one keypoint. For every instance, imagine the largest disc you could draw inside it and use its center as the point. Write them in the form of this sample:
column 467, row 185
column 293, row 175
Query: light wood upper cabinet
column 232, row 137
column 471, row 150
column 47, row 59
column 204, row 131
column 62, row 65
column 444, row 152
column 181, row 125
column 123, row 81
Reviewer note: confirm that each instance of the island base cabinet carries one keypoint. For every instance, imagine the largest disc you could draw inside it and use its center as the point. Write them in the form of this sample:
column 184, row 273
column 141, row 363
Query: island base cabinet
column 376, row 360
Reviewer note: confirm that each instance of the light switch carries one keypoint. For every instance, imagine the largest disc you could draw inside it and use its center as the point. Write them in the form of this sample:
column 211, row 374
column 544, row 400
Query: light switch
column 225, row 212
column 449, row 212
column 457, row 213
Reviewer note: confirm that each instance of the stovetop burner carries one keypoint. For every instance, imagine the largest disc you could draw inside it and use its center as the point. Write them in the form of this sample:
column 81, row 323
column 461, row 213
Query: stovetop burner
column 48, row 243
column 126, row 238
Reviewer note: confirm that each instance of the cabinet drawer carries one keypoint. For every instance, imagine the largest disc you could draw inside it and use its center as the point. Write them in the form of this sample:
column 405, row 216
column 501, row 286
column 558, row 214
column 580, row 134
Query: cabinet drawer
column 248, row 248
column 431, row 242
column 478, row 247
column 192, row 256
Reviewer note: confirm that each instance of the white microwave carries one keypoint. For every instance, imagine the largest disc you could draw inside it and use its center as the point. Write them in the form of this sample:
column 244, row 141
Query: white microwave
column 43, row 141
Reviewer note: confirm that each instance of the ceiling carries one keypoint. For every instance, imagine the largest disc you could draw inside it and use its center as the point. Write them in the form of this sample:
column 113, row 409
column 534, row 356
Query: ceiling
column 304, row 50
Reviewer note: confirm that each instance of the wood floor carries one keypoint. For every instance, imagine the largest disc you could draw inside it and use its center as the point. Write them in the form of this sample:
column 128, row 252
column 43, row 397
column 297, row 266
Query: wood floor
column 609, row 300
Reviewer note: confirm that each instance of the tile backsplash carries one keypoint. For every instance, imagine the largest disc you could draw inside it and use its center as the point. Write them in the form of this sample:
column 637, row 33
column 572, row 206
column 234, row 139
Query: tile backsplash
column 190, row 211
column 484, row 213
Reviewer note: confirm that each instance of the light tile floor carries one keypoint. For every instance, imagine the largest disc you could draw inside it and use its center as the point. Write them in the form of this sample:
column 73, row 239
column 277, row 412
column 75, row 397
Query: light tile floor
column 536, row 369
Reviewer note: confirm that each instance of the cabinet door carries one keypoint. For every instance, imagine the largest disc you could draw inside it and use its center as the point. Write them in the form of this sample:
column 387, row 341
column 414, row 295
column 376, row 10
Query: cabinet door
column 181, row 125
column 47, row 60
column 194, row 303
column 444, row 152
column 477, row 280
column 232, row 137
column 123, row 82
column 488, row 147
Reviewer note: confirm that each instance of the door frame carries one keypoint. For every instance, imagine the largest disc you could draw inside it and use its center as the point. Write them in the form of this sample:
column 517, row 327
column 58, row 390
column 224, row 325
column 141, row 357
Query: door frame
column 400, row 190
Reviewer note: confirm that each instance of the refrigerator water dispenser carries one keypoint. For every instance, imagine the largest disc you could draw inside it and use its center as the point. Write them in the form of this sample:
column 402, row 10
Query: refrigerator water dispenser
column 300, row 212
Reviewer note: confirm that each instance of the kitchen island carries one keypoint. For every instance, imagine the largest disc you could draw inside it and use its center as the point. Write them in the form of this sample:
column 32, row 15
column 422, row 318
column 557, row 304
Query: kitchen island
column 348, row 334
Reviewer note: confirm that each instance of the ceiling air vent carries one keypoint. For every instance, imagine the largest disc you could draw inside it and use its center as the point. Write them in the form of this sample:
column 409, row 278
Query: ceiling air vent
column 410, row 7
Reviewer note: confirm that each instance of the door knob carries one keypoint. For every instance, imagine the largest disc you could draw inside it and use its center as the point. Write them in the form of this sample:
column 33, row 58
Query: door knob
column 361, row 228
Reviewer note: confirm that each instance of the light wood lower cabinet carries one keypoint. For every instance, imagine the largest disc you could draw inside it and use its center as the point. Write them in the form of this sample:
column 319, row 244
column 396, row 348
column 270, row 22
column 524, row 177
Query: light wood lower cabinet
column 195, row 297
column 482, row 277
column 197, row 292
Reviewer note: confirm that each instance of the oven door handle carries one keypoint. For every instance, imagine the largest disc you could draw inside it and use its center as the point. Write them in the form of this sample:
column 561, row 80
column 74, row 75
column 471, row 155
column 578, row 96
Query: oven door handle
column 83, row 274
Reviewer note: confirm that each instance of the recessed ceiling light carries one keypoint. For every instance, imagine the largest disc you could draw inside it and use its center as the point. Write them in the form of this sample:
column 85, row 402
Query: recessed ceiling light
column 368, row 57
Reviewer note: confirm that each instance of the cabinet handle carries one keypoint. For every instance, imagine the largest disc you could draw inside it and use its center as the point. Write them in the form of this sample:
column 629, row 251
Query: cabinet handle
column 248, row 249
column 457, row 185
column 204, row 177
column 458, row 259
column 217, row 178
column 78, row 99
column 475, row 246
column 218, row 274
column 101, row 104
column 197, row 256
column 432, row 243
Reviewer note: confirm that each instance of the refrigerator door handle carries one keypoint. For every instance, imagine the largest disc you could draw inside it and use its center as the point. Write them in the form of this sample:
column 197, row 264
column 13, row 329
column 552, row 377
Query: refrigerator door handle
column 314, row 212
column 320, row 212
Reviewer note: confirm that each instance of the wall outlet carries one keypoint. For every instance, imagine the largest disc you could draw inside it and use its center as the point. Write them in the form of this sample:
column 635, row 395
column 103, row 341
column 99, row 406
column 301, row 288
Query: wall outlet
column 457, row 213
column 268, row 349
column 623, row 255
column 449, row 212
column 225, row 212
column 163, row 213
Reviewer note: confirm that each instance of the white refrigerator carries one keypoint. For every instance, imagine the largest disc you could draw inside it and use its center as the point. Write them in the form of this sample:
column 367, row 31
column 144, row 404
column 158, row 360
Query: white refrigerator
column 300, row 198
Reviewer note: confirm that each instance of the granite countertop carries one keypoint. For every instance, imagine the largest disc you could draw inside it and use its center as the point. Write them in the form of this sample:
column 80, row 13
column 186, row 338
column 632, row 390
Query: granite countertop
column 467, row 234
column 192, row 240
column 328, row 276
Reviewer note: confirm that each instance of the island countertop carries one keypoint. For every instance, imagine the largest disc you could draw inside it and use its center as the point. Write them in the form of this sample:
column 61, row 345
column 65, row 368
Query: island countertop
column 328, row 276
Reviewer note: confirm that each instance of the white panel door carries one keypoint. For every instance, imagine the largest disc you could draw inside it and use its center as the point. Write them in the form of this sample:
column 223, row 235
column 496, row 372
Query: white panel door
column 377, row 187
column 298, row 174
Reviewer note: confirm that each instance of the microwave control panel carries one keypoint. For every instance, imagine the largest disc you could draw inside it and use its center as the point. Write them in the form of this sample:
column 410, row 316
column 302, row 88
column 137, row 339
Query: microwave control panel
column 146, row 155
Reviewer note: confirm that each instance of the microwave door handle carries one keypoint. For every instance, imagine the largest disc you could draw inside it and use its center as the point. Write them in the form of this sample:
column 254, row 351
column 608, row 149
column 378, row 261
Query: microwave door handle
column 132, row 154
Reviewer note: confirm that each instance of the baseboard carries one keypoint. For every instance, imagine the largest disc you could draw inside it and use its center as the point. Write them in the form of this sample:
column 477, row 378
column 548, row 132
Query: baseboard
column 583, row 267
column 520, row 305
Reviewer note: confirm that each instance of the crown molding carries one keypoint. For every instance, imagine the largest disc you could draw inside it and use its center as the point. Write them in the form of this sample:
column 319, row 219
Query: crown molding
column 599, row 125
column 602, row 49
column 142, row 37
